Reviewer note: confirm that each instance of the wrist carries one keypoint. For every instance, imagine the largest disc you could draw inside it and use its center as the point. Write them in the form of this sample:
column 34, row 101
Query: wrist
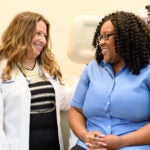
column 122, row 142
column 83, row 136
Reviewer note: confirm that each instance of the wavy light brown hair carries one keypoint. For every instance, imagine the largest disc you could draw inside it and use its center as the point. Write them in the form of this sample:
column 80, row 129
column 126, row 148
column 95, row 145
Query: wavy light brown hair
column 132, row 39
column 16, row 41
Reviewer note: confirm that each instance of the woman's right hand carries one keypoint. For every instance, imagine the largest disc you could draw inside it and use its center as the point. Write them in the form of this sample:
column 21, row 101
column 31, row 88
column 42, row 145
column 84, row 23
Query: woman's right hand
column 94, row 140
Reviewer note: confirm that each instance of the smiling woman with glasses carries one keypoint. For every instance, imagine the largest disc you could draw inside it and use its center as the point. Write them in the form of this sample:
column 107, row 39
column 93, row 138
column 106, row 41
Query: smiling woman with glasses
column 105, row 36
column 113, row 110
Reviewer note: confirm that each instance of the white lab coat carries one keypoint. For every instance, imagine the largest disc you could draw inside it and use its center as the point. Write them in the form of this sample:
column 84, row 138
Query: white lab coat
column 15, row 99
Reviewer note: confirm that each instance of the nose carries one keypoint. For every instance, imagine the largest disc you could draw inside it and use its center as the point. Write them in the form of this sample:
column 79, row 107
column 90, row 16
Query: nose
column 42, row 38
column 101, row 42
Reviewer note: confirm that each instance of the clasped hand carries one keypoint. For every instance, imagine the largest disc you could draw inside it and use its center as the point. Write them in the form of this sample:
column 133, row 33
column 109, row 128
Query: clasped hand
column 97, row 141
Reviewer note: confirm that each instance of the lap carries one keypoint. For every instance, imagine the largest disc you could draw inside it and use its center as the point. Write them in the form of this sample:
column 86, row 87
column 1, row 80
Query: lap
column 140, row 147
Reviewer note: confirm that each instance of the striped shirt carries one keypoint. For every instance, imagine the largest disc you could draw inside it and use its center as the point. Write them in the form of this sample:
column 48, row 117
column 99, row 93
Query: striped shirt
column 43, row 124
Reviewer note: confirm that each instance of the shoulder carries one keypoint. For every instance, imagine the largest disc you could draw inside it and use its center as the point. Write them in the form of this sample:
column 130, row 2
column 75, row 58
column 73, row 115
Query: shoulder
column 90, row 69
column 145, row 70
column 14, row 72
column 92, row 63
column 144, row 74
column 92, row 66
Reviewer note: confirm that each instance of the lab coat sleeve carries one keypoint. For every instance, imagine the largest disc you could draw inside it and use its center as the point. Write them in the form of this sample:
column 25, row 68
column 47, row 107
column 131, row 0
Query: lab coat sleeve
column 3, row 139
column 67, row 92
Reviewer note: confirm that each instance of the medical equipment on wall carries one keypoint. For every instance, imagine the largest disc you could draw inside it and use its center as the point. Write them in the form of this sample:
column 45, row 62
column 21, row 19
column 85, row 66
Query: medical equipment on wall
column 80, row 48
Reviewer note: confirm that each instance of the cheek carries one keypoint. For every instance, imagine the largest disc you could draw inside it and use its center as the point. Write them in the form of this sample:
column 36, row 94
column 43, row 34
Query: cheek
column 112, row 52
column 112, row 48
column 44, row 41
column 33, row 40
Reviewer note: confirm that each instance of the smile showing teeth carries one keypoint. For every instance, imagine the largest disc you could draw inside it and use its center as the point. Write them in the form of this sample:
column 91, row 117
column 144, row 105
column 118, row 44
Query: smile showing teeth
column 104, row 50
column 38, row 46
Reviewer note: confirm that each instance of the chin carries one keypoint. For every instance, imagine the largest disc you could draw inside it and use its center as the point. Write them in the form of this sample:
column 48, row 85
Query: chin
column 106, row 60
column 37, row 54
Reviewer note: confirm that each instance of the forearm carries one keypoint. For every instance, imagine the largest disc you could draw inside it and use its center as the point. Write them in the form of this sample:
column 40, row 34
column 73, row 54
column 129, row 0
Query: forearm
column 77, row 123
column 139, row 137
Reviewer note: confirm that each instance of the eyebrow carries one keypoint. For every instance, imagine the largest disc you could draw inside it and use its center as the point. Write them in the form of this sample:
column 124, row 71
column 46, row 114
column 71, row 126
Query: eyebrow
column 107, row 32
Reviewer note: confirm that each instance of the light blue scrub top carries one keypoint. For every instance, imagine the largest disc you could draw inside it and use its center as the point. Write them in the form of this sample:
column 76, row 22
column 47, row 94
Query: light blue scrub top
column 113, row 104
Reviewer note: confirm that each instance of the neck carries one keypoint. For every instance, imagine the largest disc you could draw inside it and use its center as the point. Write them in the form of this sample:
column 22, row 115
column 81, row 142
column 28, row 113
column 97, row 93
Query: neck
column 29, row 63
column 118, row 66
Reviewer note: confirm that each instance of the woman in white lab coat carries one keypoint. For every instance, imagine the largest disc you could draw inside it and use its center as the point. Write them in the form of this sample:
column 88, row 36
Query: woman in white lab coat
column 31, row 87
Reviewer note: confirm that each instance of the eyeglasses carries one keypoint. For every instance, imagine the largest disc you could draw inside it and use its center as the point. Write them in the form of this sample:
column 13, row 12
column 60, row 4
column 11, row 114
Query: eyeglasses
column 106, row 36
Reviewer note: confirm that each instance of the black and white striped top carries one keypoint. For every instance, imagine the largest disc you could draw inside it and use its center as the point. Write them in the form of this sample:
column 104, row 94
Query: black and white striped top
column 43, row 97
column 43, row 123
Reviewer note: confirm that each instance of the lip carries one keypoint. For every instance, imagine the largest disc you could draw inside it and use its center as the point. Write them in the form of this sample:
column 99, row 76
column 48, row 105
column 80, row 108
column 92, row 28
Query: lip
column 104, row 50
column 38, row 46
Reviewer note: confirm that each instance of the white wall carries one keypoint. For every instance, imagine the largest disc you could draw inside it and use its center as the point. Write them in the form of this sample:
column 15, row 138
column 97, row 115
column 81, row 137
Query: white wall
column 61, row 14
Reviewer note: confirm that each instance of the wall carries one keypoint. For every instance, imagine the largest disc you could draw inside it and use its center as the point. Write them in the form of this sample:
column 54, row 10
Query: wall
column 61, row 14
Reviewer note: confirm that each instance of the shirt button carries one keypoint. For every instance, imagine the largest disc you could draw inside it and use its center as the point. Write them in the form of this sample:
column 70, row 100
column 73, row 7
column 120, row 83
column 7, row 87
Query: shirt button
column 108, row 115
column 108, row 127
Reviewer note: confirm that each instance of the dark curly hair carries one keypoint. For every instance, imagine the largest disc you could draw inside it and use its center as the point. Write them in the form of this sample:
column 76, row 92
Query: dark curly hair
column 132, row 40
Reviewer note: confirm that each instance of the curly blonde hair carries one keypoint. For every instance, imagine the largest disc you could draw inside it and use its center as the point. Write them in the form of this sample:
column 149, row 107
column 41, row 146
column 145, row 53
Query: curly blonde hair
column 16, row 40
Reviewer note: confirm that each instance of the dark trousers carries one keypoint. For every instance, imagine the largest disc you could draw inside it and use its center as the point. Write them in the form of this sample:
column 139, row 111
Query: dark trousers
column 77, row 147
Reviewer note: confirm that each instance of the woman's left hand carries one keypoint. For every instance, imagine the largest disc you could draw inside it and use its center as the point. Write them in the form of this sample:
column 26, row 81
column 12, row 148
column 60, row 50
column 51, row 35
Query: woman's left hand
column 112, row 142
